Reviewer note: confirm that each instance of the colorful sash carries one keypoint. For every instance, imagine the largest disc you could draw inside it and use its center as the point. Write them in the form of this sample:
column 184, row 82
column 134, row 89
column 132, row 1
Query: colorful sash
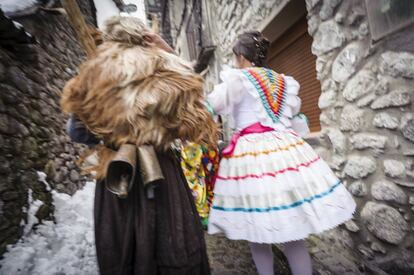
column 271, row 87
column 256, row 128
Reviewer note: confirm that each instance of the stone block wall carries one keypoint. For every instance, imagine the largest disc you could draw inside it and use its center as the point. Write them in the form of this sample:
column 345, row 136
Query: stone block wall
column 368, row 127
column 32, row 126
column 227, row 19
column 232, row 18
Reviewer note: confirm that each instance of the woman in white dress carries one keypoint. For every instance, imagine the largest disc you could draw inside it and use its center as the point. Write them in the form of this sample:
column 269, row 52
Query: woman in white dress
column 271, row 185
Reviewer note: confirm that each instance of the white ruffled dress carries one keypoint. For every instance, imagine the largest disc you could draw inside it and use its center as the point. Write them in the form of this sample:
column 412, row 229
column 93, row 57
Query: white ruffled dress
column 273, row 188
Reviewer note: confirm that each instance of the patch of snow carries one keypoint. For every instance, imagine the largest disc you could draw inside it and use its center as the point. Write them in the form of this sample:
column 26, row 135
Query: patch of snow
column 18, row 25
column 65, row 247
column 34, row 205
column 10, row 6
column 42, row 178
column 104, row 10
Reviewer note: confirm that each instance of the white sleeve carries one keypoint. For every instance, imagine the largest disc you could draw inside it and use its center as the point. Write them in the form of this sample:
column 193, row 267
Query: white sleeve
column 293, row 100
column 228, row 93
column 300, row 124
column 216, row 99
column 298, row 120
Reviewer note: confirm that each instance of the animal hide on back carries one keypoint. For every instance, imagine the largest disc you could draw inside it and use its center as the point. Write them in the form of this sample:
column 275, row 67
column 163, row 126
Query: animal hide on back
column 132, row 93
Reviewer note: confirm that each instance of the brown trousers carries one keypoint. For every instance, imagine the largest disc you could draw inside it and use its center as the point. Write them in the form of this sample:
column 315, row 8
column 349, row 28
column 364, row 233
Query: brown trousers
column 145, row 236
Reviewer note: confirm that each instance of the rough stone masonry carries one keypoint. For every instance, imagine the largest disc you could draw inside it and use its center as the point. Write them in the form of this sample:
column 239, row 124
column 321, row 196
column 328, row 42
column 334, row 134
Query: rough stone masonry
column 32, row 126
column 367, row 123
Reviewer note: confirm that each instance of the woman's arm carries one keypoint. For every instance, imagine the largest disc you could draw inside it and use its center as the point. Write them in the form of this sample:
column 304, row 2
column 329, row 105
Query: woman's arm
column 228, row 93
column 79, row 133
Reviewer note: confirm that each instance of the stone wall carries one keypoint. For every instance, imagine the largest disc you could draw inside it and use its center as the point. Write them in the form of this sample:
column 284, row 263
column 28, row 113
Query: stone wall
column 367, row 122
column 368, row 126
column 226, row 19
column 32, row 134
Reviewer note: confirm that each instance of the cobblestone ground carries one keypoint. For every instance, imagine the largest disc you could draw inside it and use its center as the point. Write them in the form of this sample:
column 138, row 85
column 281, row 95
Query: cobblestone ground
column 233, row 257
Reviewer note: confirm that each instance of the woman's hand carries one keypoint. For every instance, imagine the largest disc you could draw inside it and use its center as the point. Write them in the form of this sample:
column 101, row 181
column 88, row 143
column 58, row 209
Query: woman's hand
column 156, row 40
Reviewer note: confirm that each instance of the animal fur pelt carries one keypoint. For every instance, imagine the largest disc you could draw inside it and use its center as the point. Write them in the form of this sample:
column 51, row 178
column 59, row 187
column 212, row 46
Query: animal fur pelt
column 131, row 92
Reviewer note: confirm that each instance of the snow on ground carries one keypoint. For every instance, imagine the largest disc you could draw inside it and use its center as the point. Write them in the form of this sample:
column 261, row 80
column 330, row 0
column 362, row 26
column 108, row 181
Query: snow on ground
column 17, row 25
column 42, row 178
column 10, row 6
column 65, row 247
column 34, row 205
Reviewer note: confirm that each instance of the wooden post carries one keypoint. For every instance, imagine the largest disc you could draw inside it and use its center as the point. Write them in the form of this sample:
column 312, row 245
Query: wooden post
column 79, row 25
column 155, row 23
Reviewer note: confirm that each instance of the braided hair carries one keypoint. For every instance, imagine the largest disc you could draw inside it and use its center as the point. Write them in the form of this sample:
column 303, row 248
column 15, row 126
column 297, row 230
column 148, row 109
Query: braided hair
column 253, row 46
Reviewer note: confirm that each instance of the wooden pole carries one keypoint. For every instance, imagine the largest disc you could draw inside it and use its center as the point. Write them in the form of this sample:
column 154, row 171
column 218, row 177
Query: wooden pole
column 78, row 23
column 155, row 23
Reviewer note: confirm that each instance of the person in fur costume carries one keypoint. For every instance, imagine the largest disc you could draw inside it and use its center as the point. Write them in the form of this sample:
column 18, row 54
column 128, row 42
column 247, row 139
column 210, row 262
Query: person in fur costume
column 135, row 91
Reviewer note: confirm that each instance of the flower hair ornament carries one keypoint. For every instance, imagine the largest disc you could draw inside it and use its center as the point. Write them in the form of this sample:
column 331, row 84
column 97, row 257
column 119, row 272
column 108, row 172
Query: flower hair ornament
column 261, row 47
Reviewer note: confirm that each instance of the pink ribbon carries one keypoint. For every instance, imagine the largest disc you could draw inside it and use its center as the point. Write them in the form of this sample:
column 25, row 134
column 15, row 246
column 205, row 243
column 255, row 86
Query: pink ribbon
column 256, row 128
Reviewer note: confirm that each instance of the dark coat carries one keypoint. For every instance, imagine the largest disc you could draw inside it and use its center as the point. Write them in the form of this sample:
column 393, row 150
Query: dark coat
column 139, row 235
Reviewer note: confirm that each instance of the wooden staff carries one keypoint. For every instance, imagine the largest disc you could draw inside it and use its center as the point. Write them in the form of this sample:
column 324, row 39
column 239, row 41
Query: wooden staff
column 155, row 23
column 78, row 23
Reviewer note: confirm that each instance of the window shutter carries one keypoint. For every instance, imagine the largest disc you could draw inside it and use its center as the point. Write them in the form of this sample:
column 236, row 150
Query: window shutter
column 291, row 55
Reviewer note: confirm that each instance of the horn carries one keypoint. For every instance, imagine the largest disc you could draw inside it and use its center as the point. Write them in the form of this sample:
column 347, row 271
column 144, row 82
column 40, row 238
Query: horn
column 121, row 171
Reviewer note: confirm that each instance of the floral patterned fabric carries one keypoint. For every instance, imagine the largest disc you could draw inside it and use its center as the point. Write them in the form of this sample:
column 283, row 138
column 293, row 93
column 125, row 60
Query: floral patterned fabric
column 199, row 165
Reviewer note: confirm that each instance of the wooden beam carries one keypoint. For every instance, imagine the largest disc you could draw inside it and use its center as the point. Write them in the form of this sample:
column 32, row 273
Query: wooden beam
column 155, row 23
column 78, row 23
